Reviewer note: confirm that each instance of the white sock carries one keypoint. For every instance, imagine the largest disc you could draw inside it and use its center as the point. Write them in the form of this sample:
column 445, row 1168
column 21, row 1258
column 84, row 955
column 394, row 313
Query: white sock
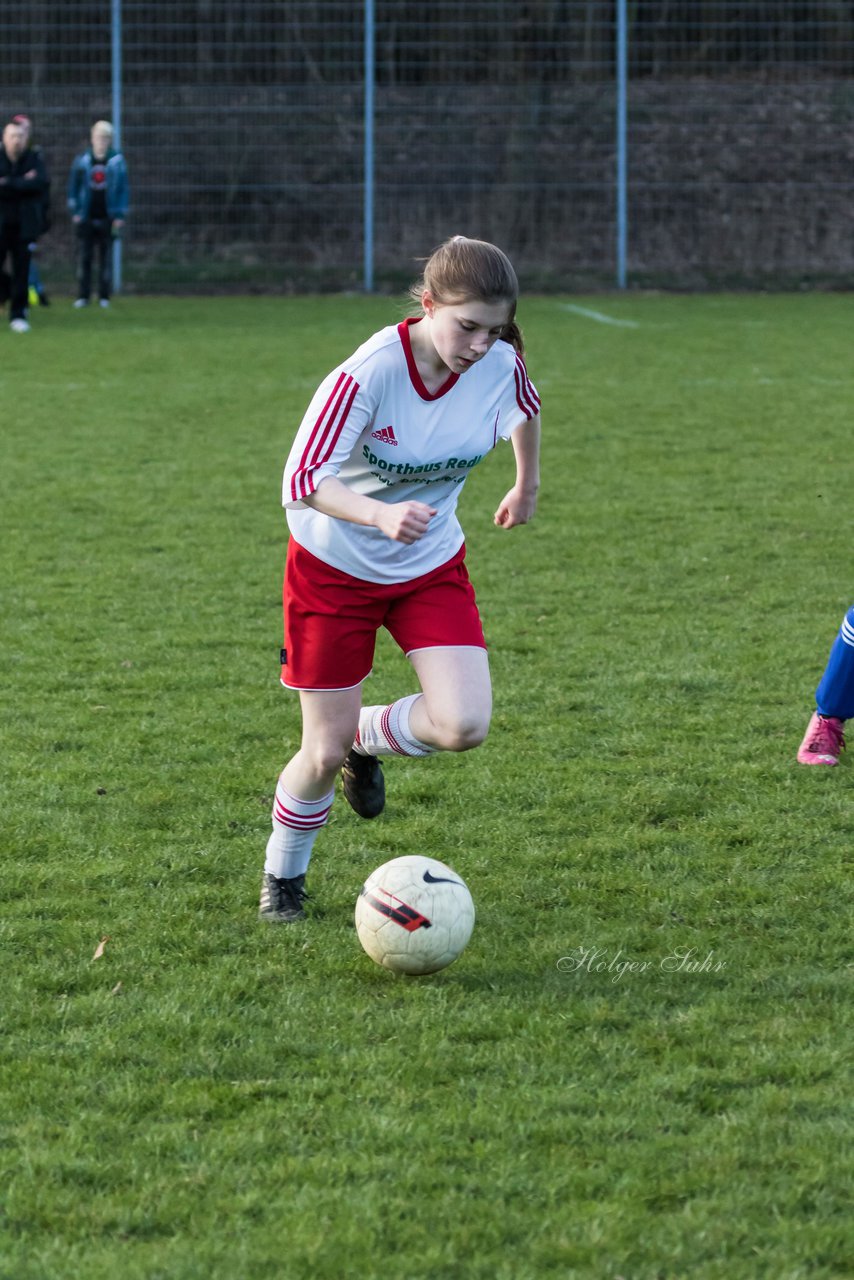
column 384, row 731
column 295, row 827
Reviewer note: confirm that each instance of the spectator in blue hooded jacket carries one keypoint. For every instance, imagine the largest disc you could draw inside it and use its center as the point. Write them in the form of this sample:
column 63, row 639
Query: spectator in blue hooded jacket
column 98, row 196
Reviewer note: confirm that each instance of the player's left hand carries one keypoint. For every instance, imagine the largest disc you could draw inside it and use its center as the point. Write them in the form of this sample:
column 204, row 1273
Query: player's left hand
column 516, row 507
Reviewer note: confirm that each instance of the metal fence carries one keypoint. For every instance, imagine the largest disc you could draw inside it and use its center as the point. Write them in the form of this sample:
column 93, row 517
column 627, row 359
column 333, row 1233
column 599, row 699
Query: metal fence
column 318, row 144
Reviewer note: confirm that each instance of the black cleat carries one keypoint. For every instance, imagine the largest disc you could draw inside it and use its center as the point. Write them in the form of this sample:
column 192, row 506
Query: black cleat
column 281, row 900
column 364, row 785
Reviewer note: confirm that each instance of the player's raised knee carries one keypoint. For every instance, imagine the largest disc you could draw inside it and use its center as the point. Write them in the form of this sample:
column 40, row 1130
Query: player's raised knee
column 463, row 733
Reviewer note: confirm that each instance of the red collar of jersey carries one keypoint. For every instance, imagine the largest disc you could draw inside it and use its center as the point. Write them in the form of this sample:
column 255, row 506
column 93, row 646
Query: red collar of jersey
column 414, row 375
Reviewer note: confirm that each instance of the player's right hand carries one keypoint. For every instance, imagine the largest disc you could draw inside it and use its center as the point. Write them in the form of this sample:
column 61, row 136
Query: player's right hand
column 405, row 521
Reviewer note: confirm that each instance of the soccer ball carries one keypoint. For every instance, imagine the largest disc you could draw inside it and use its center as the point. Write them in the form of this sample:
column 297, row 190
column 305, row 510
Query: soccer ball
column 414, row 915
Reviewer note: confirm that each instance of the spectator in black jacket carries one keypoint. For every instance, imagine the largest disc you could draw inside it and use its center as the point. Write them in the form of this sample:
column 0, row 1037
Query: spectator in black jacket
column 23, row 183
column 36, row 290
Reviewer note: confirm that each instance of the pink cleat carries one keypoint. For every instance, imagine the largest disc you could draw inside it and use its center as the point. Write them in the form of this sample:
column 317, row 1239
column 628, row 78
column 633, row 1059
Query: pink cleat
column 823, row 741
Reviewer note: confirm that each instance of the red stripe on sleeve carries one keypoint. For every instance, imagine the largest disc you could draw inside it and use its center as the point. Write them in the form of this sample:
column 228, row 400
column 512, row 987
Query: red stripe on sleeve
column 340, row 413
column 526, row 395
column 324, row 435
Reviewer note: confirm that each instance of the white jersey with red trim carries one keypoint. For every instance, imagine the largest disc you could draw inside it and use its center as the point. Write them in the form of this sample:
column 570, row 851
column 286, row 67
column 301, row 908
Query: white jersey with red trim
column 374, row 425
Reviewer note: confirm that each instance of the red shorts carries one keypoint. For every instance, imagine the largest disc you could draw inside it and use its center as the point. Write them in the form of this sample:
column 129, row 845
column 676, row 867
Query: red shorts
column 332, row 619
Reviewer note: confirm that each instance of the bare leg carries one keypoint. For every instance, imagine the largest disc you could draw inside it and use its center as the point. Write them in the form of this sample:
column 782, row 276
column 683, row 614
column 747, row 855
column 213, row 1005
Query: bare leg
column 329, row 723
column 304, row 796
column 455, row 710
column 451, row 714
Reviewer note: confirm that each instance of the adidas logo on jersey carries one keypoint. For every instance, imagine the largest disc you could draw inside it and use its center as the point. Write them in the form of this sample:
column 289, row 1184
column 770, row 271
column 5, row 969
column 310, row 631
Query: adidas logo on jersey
column 386, row 434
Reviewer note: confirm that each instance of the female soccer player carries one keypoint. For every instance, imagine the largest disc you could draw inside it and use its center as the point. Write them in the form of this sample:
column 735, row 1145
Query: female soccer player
column 371, row 489
column 825, row 735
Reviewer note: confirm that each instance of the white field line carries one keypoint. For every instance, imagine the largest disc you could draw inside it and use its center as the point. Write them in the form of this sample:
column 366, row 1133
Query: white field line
column 599, row 316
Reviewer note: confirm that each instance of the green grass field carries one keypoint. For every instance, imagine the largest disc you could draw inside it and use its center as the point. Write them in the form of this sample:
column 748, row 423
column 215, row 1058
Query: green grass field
column 637, row 1069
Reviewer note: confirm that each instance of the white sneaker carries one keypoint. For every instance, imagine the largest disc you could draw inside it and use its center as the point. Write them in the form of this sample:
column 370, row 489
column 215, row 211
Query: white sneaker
column 19, row 326
column 81, row 302
column 105, row 302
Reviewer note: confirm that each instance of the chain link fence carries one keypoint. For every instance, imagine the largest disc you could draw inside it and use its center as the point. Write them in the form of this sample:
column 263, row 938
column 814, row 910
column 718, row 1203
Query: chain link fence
column 244, row 130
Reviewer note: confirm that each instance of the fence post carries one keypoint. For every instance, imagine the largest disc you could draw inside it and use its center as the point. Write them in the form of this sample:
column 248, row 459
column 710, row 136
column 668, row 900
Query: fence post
column 116, row 45
column 622, row 38
column 368, row 212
